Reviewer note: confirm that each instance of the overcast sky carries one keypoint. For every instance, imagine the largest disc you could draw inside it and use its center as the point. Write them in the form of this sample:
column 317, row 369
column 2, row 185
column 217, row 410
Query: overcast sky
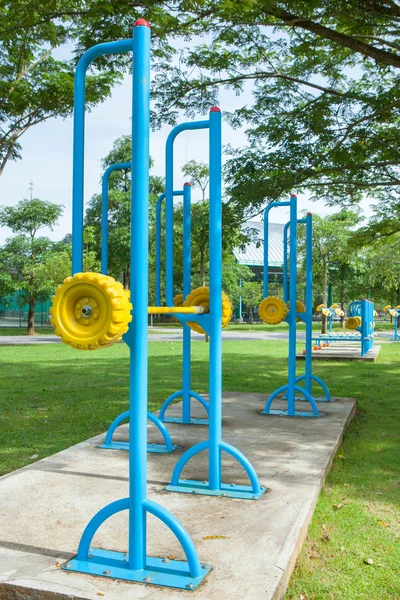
column 47, row 156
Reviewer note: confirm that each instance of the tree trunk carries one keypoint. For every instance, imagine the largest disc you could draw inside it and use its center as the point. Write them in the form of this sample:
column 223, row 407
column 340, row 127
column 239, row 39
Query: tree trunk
column 31, row 316
column 251, row 315
column 324, row 292
column 127, row 277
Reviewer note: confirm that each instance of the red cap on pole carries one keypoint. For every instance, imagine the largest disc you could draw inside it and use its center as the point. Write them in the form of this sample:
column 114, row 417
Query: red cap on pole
column 142, row 22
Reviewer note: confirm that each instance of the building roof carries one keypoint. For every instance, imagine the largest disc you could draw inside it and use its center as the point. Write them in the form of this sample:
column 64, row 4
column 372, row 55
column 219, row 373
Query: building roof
column 253, row 254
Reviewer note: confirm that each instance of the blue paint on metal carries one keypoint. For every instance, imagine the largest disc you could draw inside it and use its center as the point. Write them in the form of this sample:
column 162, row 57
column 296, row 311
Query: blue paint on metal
column 169, row 211
column 135, row 565
column 214, row 444
column 228, row 490
column 290, row 295
column 104, row 211
column 186, row 391
column 79, row 142
column 111, row 444
column 158, row 571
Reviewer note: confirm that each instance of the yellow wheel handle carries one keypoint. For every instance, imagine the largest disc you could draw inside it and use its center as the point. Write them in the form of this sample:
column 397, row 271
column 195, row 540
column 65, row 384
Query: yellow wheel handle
column 339, row 312
column 178, row 301
column 90, row 311
column 359, row 321
column 201, row 297
column 334, row 306
column 352, row 323
column 272, row 310
column 375, row 313
column 326, row 312
column 386, row 308
column 398, row 307
column 393, row 312
column 320, row 307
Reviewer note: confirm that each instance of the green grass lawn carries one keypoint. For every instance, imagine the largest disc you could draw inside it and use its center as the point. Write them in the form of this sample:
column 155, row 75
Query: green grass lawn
column 52, row 397
column 22, row 331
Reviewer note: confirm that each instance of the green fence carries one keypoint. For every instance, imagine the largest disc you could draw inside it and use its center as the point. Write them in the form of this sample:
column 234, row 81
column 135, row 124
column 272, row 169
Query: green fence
column 14, row 315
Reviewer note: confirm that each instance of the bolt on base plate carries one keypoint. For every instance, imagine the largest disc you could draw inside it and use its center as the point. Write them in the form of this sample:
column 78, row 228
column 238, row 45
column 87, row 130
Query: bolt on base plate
column 158, row 571
column 155, row 448
column 230, row 490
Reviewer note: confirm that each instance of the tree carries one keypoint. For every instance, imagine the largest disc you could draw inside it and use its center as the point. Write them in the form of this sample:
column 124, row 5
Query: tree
column 252, row 296
column 198, row 174
column 325, row 83
column 29, row 260
column 36, row 84
column 331, row 250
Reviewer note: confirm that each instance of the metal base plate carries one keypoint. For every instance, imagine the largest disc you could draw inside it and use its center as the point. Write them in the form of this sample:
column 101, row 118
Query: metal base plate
column 164, row 572
column 193, row 421
column 297, row 413
column 156, row 448
column 230, row 490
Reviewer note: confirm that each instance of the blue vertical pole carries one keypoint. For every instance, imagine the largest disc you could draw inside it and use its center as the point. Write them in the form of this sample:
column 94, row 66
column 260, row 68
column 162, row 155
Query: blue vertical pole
column 104, row 211
column 158, row 248
column 266, row 243
column 292, row 320
column 169, row 222
column 285, row 261
column 240, row 301
column 187, row 248
column 309, row 284
column 137, row 334
column 215, row 244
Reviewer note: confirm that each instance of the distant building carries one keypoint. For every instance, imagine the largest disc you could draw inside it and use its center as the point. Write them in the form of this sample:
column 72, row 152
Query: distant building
column 253, row 255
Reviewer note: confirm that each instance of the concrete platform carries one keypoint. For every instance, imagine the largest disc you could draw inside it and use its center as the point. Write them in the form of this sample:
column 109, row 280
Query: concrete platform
column 251, row 545
column 343, row 351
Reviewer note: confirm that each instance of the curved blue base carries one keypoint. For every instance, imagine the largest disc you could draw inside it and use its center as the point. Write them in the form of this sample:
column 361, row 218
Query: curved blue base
column 291, row 413
column 110, row 444
column 252, row 492
column 184, row 420
column 116, row 565
column 321, row 382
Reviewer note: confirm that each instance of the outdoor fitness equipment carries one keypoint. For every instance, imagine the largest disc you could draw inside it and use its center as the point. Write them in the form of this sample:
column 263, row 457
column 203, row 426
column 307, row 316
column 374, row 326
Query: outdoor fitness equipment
column 395, row 313
column 360, row 317
column 111, row 323
column 109, row 442
column 215, row 315
column 183, row 299
column 274, row 310
column 330, row 312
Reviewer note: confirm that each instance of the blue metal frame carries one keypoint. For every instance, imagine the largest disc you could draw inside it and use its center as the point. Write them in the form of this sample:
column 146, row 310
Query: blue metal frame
column 186, row 392
column 109, row 443
column 134, row 565
column 213, row 320
column 306, row 317
column 292, row 386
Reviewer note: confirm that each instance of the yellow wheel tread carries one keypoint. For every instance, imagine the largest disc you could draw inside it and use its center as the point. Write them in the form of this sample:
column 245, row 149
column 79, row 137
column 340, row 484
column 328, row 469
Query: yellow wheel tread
column 90, row 311
column 201, row 297
column 272, row 310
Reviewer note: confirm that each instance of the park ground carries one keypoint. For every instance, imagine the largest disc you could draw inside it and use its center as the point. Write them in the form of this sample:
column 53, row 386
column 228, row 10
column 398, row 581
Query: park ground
column 53, row 397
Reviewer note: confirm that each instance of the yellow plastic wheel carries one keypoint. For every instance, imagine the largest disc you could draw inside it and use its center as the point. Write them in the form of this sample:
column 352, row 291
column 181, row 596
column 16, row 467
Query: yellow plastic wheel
column 178, row 301
column 334, row 306
column 300, row 308
column 201, row 297
column 359, row 321
column 352, row 323
column 90, row 311
column 320, row 307
column 375, row 313
column 339, row 312
column 326, row 312
column 393, row 312
column 386, row 308
column 272, row 310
